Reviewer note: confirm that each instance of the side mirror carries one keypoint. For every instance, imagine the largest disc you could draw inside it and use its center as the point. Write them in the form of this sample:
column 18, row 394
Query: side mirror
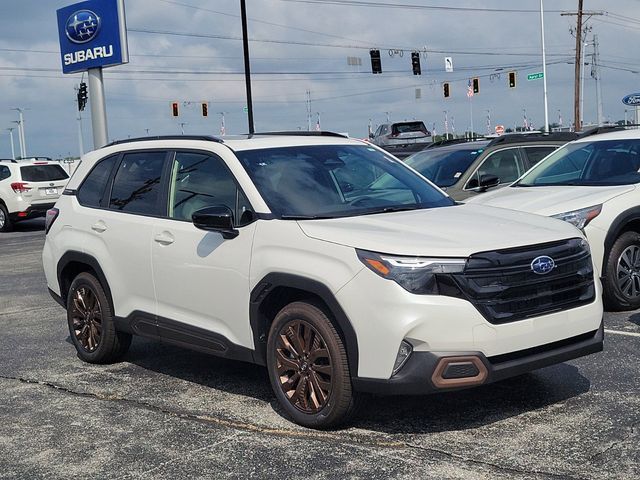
column 372, row 136
column 218, row 218
column 486, row 182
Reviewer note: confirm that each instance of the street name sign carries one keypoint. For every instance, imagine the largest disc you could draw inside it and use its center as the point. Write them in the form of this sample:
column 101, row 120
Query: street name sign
column 535, row 76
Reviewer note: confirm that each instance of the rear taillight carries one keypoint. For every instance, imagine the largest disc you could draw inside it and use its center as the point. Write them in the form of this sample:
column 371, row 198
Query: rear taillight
column 51, row 216
column 20, row 187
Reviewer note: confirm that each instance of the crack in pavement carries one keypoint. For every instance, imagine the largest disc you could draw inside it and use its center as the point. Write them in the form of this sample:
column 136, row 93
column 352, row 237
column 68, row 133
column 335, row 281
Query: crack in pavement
column 626, row 438
column 495, row 466
column 219, row 421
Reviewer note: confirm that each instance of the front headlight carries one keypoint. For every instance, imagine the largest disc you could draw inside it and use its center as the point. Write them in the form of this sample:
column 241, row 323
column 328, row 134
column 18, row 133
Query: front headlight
column 414, row 274
column 580, row 218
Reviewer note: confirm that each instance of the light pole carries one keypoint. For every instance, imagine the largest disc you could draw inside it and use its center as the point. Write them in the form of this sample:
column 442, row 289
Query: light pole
column 17, row 122
column 544, row 70
column 223, row 126
column 13, row 150
column 446, row 125
column 182, row 124
column 23, row 142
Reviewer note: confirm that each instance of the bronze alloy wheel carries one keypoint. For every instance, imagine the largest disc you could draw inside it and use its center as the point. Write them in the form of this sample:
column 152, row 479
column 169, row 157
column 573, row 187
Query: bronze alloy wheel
column 304, row 366
column 86, row 317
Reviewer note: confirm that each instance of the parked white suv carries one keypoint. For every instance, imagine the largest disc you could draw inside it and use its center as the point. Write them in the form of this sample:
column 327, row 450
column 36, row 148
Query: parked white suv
column 593, row 183
column 28, row 188
column 277, row 250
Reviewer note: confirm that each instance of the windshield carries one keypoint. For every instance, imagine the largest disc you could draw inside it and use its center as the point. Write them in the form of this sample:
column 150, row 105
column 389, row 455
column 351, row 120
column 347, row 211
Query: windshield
column 598, row 163
column 324, row 181
column 443, row 168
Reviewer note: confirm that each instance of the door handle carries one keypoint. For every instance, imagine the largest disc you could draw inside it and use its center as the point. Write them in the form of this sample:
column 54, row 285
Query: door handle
column 164, row 238
column 99, row 227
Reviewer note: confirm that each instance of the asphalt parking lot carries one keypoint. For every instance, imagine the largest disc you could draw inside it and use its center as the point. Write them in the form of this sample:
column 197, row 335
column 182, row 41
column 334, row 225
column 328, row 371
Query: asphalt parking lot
column 170, row 413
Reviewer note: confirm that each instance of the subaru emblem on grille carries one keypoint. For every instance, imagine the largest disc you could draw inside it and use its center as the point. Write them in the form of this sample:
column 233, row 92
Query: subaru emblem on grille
column 542, row 265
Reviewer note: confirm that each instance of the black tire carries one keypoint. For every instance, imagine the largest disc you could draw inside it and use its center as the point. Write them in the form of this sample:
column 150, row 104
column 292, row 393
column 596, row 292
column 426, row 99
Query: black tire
column 6, row 225
column 622, row 291
column 329, row 407
column 90, row 320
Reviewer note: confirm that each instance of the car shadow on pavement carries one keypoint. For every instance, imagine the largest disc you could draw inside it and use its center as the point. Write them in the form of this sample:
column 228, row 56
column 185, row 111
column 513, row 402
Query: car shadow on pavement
column 459, row 410
column 635, row 318
column 33, row 225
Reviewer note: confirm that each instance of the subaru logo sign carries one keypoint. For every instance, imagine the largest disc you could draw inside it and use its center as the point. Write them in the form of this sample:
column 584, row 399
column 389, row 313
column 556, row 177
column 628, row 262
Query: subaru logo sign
column 82, row 26
column 632, row 100
column 542, row 265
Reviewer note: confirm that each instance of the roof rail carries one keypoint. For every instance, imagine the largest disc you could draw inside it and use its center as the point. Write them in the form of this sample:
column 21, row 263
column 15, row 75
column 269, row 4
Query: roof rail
column 605, row 129
column 534, row 137
column 206, row 138
column 453, row 141
column 299, row 133
column 12, row 160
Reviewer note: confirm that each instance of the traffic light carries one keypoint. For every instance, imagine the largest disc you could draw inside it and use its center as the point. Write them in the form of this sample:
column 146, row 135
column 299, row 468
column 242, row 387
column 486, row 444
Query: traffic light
column 82, row 96
column 376, row 63
column 174, row 109
column 205, row 109
column 476, row 85
column 512, row 79
column 445, row 89
column 415, row 63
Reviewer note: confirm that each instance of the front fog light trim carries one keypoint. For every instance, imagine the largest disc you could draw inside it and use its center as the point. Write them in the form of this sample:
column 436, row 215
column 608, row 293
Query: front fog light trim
column 404, row 352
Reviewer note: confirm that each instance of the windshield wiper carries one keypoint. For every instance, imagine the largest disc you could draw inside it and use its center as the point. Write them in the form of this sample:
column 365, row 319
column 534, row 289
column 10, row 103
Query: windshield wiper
column 305, row 217
column 397, row 208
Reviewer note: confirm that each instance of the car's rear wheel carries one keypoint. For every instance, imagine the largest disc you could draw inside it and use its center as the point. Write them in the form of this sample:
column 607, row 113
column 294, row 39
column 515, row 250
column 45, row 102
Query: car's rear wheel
column 308, row 367
column 91, row 325
column 6, row 225
column 622, row 281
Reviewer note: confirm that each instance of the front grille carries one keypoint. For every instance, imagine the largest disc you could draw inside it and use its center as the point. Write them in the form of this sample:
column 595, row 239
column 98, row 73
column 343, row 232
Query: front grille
column 504, row 288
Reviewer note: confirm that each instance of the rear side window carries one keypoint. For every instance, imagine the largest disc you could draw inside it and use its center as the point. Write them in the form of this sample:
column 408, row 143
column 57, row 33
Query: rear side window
column 4, row 172
column 137, row 185
column 43, row 173
column 93, row 187
column 535, row 154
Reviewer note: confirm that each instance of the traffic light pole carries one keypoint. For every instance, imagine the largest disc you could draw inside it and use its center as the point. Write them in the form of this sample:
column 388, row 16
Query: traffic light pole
column 98, row 109
column 247, row 68
column 544, row 70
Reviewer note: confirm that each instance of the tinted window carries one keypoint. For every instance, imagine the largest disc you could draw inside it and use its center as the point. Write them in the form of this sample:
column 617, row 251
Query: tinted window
column 43, row 173
column 443, row 168
column 93, row 187
column 331, row 181
column 4, row 172
column 609, row 162
column 535, row 154
column 202, row 180
column 136, row 187
column 409, row 127
column 504, row 164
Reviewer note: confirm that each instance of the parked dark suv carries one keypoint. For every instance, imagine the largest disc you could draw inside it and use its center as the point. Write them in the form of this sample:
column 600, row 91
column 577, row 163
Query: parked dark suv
column 465, row 169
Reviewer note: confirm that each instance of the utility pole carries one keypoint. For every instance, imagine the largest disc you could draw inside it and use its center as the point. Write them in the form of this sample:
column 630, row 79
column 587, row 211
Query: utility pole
column 578, row 62
column 387, row 114
column 17, row 122
column 247, row 68
column 147, row 131
column 308, row 110
column 80, row 139
column 13, row 150
column 223, row 127
column 446, row 125
column 23, row 142
column 488, row 122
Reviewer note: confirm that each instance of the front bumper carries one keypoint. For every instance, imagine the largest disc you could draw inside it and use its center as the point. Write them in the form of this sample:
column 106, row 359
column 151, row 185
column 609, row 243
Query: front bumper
column 422, row 372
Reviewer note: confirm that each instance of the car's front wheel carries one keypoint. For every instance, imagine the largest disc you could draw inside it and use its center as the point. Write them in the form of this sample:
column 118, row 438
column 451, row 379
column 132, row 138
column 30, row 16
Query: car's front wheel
column 308, row 367
column 622, row 281
column 91, row 324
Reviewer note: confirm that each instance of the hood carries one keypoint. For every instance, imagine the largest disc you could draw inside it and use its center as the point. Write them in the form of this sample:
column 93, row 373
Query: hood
column 550, row 200
column 456, row 231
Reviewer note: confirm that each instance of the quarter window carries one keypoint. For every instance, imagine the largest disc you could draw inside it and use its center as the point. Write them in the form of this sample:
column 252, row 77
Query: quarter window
column 137, row 186
column 201, row 180
column 92, row 189
column 4, row 172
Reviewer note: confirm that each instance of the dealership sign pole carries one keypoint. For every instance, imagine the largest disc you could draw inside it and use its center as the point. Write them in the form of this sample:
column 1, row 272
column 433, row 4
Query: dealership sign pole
column 93, row 35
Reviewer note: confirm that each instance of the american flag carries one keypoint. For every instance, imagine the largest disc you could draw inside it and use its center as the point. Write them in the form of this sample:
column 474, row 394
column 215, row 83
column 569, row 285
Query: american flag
column 469, row 89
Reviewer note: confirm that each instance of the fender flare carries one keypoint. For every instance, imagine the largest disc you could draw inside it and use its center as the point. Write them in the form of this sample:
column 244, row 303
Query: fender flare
column 73, row 256
column 258, row 321
column 617, row 226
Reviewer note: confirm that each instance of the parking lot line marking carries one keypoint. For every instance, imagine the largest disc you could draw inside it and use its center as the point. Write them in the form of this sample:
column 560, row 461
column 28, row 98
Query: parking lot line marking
column 618, row 332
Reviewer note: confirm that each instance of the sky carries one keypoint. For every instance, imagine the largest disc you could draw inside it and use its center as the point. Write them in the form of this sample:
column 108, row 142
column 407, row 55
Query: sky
column 300, row 46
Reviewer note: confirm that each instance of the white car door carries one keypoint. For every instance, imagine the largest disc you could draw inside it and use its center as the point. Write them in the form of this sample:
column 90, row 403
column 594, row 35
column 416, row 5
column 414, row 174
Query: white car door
column 201, row 278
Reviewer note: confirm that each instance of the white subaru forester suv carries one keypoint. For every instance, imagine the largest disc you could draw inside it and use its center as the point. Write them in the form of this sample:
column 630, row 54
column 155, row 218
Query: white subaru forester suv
column 279, row 250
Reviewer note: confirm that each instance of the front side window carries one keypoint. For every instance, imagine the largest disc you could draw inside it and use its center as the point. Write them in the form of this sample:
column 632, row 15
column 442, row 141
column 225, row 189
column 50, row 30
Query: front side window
column 94, row 185
column 598, row 163
column 325, row 181
column 200, row 180
column 137, row 184
column 503, row 164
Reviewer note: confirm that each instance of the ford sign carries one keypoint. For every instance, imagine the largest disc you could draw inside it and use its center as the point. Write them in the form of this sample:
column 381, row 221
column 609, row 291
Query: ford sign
column 632, row 99
column 542, row 265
